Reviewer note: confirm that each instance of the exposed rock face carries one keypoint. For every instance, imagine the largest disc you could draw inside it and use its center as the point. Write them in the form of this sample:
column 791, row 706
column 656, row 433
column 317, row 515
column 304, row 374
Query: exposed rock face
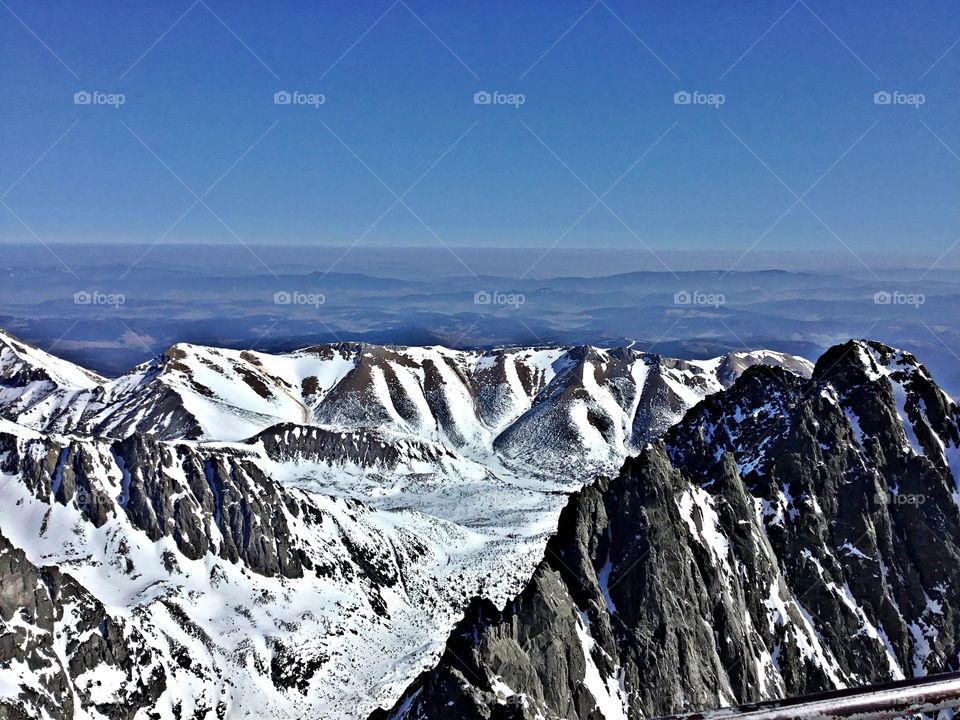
column 60, row 642
column 790, row 536
column 159, row 526
column 362, row 448
column 218, row 502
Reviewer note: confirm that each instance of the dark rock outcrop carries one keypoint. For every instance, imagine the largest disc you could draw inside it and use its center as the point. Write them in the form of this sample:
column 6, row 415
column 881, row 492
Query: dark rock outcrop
column 206, row 500
column 42, row 608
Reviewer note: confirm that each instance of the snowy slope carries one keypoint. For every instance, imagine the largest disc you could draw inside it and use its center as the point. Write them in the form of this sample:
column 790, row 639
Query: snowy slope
column 39, row 388
column 169, row 544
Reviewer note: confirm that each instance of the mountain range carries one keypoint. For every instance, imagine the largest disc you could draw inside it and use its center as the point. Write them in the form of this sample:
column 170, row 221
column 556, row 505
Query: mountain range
column 593, row 532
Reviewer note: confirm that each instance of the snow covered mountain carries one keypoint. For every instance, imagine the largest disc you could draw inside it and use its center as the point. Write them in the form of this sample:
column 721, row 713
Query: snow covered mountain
column 182, row 581
column 35, row 384
column 597, row 405
column 789, row 536
column 221, row 533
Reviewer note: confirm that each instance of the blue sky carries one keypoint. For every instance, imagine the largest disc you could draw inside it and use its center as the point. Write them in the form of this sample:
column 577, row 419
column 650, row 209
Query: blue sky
column 797, row 79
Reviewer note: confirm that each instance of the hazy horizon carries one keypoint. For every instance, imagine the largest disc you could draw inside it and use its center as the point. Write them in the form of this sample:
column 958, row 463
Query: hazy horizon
column 418, row 260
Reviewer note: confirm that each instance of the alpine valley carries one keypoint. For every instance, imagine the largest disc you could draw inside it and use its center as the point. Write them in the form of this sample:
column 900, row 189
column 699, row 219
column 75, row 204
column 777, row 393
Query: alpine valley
column 354, row 530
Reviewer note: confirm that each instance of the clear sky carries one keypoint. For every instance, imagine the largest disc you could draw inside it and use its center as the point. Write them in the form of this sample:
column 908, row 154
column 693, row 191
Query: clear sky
column 798, row 119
